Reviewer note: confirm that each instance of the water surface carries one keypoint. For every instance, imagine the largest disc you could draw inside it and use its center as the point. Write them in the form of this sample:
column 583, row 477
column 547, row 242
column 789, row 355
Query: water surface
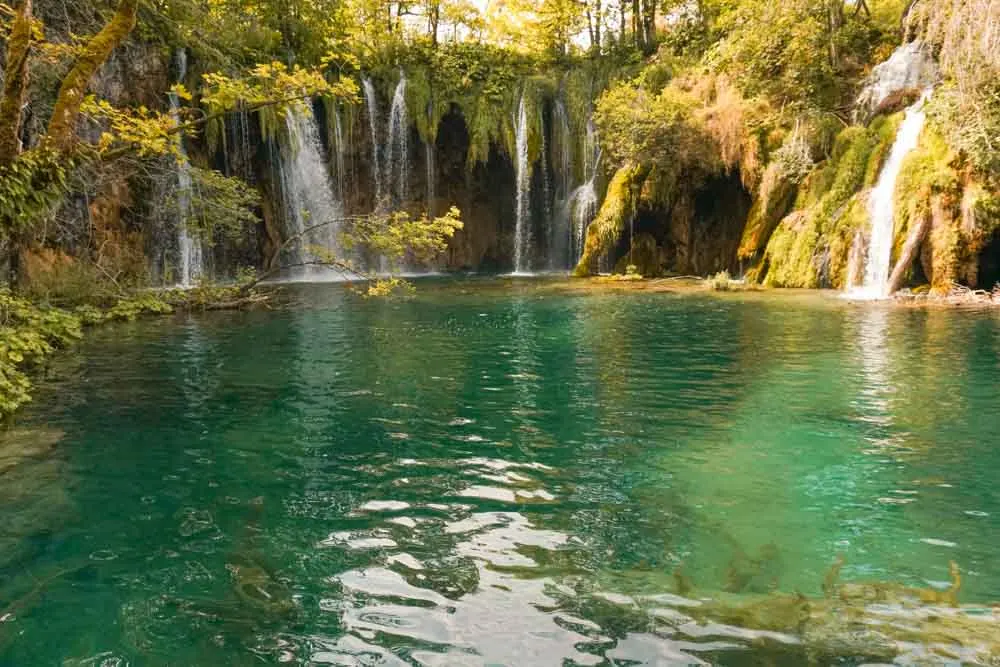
column 491, row 473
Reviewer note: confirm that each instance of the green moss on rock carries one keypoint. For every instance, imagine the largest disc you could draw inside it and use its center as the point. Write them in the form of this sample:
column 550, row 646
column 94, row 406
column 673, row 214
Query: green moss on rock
column 811, row 247
column 619, row 206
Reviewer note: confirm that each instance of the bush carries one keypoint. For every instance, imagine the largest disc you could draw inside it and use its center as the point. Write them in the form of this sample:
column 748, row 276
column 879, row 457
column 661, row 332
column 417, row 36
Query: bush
column 28, row 334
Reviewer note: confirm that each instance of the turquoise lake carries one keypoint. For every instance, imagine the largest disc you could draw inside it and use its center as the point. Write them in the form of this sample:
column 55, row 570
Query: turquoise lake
column 492, row 473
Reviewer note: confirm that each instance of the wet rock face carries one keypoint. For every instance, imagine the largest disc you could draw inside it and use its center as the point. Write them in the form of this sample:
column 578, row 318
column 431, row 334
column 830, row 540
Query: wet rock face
column 910, row 68
column 137, row 74
column 700, row 235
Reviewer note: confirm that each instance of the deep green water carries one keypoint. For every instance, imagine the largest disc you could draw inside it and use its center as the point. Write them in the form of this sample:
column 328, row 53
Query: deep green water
column 490, row 473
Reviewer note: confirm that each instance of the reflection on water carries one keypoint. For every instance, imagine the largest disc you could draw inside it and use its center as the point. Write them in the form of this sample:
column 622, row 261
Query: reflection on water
column 485, row 476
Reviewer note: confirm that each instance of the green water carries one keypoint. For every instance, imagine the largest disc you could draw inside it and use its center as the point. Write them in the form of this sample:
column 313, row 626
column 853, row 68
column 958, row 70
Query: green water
column 489, row 473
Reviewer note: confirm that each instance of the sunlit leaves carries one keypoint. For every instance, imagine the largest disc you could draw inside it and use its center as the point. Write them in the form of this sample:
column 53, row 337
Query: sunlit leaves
column 148, row 132
column 273, row 85
column 397, row 236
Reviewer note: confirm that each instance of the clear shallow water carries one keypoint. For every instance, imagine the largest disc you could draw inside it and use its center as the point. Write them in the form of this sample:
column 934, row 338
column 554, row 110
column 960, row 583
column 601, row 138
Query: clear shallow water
column 490, row 473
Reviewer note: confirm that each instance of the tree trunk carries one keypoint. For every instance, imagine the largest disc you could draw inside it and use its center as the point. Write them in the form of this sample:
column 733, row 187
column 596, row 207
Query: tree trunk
column 434, row 18
column 648, row 25
column 15, row 84
column 622, row 4
column 62, row 127
column 909, row 252
column 598, row 19
column 590, row 29
column 636, row 31
column 835, row 13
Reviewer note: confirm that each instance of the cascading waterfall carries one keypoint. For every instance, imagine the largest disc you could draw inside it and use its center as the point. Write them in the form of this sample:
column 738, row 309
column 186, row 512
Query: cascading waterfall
column 522, row 233
column 189, row 248
column 309, row 197
column 431, row 176
column 910, row 67
column 584, row 201
column 880, row 205
column 339, row 153
column 371, row 102
column 560, row 230
column 583, row 209
column 546, row 183
column 430, row 164
column 398, row 175
column 575, row 207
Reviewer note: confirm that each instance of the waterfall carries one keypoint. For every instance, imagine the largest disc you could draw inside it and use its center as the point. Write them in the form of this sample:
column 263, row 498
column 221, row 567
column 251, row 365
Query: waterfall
column 190, row 260
column 910, row 67
column 583, row 209
column 371, row 103
column 305, row 182
column 522, row 233
column 398, row 175
column 431, row 176
column 560, row 229
column 546, row 184
column 563, row 140
column 880, row 205
column 575, row 207
column 339, row 152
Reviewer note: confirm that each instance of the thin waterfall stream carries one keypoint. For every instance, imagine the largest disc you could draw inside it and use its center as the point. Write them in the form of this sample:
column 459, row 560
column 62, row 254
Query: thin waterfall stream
column 313, row 211
column 522, row 233
column 190, row 260
column 398, row 168
column 881, row 205
column 371, row 103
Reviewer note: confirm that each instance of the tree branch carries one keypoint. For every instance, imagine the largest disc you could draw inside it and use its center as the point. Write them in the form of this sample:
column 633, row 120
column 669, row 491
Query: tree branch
column 15, row 84
column 331, row 263
column 114, row 154
column 62, row 126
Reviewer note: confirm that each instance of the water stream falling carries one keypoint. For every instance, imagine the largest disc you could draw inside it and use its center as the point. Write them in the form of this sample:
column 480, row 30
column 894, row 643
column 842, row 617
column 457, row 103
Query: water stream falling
column 189, row 248
column 577, row 206
column 371, row 103
column 431, row 176
column 522, row 232
column 910, row 67
column 309, row 197
column 339, row 153
column 880, row 205
column 398, row 175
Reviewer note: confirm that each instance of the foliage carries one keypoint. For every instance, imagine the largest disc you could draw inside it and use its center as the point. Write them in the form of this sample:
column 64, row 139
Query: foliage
column 31, row 185
column 397, row 236
column 779, row 51
column 28, row 334
column 270, row 89
column 810, row 247
column 967, row 38
column 653, row 129
column 147, row 131
column 388, row 287
column 220, row 207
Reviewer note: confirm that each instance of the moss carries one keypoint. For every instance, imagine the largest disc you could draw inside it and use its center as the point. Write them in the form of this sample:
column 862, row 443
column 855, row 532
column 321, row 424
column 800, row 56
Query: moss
column 776, row 197
column 885, row 129
column 792, row 251
column 63, row 124
column 617, row 210
column 928, row 185
column 810, row 248
column 644, row 257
